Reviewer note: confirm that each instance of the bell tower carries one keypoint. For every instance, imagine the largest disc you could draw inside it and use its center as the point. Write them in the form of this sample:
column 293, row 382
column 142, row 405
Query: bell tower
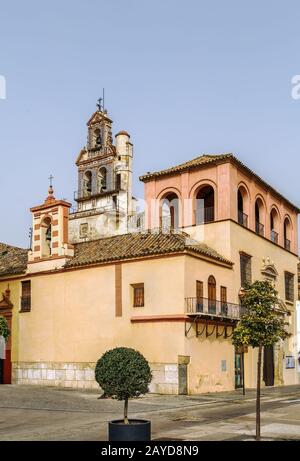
column 50, row 240
column 104, row 194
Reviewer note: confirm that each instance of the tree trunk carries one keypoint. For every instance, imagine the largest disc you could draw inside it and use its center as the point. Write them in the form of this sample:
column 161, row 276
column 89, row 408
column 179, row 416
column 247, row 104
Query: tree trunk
column 126, row 412
column 258, row 394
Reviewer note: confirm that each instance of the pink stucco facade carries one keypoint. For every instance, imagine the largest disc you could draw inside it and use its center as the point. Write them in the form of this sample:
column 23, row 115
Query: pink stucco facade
column 226, row 178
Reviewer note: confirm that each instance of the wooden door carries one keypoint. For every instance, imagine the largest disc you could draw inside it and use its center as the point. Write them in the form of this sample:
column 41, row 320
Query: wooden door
column 268, row 372
column 212, row 295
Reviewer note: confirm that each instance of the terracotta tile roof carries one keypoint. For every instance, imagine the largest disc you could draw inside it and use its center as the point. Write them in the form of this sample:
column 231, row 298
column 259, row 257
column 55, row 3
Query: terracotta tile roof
column 13, row 260
column 198, row 161
column 207, row 159
column 137, row 245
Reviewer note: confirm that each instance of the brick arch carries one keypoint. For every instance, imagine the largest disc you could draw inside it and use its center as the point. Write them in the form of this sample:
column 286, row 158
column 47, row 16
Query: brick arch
column 246, row 197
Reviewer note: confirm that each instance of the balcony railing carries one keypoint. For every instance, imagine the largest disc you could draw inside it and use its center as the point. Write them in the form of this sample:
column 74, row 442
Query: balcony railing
column 287, row 244
column 213, row 308
column 242, row 218
column 274, row 236
column 204, row 215
column 259, row 228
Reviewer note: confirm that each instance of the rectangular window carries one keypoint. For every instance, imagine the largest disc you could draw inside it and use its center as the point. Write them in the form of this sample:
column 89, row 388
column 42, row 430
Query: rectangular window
column 138, row 295
column 245, row 263
column 26, row 296
column 289, row 286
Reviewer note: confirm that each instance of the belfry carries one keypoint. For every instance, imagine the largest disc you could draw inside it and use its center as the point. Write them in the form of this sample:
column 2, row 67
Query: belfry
column 104, row 195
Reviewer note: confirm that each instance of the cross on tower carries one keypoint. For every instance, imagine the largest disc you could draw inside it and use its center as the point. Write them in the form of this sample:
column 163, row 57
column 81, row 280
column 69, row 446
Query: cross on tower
column 50, row 180
column 99, row 104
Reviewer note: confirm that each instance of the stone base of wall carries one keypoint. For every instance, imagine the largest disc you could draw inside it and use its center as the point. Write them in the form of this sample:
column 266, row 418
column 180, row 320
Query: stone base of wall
column 82, row 375
column 76, row 375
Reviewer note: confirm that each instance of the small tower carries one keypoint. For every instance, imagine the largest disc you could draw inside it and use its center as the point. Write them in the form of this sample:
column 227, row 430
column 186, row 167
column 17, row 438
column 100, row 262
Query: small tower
column 50, row 241
column 104, row 195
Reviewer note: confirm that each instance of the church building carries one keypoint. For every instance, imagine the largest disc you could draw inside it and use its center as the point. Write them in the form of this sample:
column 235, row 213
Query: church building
column 171, row 289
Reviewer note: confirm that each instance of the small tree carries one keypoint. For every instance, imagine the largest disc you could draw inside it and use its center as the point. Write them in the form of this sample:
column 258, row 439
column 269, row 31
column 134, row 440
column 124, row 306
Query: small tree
column 123, row 373
column 4, row 330
column 260, row 326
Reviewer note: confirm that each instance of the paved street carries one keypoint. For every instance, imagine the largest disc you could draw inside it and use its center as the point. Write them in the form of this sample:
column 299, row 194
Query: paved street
column 39, row 413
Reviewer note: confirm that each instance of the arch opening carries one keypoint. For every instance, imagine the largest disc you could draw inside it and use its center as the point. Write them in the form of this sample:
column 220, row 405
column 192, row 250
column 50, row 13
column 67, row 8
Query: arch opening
column 287, row 229
column 46, row 238
column 205, row 205
column 259, row 217
column 169, row 211
column 274, row 225
column 242, row 206
column 87, row 184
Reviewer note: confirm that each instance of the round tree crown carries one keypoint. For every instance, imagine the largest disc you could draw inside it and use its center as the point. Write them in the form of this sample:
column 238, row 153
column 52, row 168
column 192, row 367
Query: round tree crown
column 123, row 373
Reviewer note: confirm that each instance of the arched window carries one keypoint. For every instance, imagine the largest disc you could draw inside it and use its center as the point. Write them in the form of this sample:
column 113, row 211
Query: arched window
column 102, row 183
column 287, row 230
column 242, row 206
column 169, row 212
column 87, row 184
column 46, row 237
column 274, row 225
column 205, row 205
column 259, row 217
column 97, row 138
column 211, row 294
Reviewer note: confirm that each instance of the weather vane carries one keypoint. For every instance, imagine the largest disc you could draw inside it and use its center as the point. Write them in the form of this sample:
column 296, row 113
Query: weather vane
column 100, row 102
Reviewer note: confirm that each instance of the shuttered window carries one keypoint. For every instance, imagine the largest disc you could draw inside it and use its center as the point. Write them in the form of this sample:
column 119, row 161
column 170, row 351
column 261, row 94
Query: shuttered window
column 245, row 263
column 138, row 295
column 26, row 296
column 289, row 286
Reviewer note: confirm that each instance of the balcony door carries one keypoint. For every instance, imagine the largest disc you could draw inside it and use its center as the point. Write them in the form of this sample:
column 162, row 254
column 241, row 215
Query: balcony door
column 211, row 295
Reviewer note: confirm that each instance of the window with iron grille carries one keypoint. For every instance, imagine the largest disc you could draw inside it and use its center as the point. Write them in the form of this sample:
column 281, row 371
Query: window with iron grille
column 138, row 295
column 289, row 286
column 245, row 263
column 26, row 296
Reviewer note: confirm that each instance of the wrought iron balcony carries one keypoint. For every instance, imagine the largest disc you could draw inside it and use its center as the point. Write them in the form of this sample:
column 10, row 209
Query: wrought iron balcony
column 259, row 228
column 287, row 244
column 205, row 307
column 274, row 236
column 242, row 218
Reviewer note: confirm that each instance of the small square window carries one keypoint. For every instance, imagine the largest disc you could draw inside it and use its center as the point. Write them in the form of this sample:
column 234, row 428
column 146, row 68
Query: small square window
column 138, row 295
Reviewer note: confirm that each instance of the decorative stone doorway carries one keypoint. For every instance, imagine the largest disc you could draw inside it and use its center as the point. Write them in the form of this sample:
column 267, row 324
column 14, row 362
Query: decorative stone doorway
column 6, row 312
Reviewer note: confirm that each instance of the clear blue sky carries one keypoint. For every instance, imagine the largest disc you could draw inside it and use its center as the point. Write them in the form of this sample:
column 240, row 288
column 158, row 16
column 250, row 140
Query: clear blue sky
column 184, row 78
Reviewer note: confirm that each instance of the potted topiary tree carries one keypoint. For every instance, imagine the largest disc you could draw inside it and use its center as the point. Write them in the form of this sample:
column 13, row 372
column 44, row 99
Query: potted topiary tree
column 124, row 373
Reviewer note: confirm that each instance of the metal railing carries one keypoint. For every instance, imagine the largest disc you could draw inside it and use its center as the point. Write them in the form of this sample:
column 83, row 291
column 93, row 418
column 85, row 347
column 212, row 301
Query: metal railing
column 205, row 215
column 242, row 218
column 213, row 307
column 259, row 228
column 274, row 236
column 287, row 244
